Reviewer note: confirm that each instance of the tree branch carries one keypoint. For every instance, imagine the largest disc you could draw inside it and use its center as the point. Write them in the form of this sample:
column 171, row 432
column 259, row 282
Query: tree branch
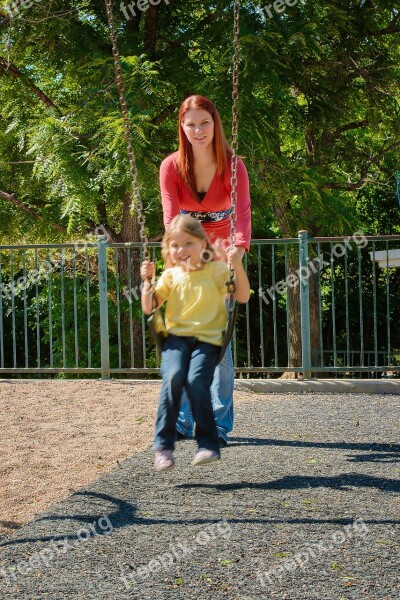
column 150, row 31
column 354, row 125
column 348, row 187
column 390, row 29
column 189, row 34
column 90, row 225
column 374, row 160
column 163, row 114
column 14, row 200
column 12, row 70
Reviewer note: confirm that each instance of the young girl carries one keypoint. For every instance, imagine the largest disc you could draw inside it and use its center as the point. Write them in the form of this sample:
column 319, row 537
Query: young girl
column 194, row 289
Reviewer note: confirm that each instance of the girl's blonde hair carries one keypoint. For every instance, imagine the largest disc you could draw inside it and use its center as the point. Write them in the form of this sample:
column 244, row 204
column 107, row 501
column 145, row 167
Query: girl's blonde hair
column 186, row 224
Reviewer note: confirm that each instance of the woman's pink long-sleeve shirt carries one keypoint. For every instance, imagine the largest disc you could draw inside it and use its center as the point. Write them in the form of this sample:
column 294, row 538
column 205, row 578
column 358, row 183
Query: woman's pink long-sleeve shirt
column 176, row 196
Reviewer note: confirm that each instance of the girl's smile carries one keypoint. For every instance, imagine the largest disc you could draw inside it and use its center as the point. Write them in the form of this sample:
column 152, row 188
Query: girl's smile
column 185, row 250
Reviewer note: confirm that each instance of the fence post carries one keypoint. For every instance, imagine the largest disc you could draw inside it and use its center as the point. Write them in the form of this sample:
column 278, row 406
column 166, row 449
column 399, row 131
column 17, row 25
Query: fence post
column 103, row 299
column 305, row 304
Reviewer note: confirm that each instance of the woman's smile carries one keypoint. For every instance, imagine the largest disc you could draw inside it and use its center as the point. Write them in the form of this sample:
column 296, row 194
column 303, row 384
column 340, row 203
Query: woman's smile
column 198, row 126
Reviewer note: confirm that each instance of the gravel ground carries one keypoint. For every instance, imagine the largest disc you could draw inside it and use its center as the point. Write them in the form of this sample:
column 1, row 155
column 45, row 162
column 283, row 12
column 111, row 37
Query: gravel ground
column 303, row 505
column 63, row 435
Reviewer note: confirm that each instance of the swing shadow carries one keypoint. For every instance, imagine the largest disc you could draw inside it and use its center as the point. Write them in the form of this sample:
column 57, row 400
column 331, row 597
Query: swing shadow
column 367, row 446
column 343, row 482
column 125, row 514
column 384, row 458
column 378, row 452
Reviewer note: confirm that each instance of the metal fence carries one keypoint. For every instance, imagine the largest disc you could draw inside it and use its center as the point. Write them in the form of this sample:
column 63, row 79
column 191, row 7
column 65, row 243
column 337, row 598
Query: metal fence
column 319, row 306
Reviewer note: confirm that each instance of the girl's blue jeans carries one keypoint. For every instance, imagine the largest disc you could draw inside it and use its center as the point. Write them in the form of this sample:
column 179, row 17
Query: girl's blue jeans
column 221, row 397
column 187, row 364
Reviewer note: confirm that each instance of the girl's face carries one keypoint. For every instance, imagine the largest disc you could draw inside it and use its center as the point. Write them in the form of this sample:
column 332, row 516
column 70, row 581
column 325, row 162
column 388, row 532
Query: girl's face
column 198, row 126
column 185, row 250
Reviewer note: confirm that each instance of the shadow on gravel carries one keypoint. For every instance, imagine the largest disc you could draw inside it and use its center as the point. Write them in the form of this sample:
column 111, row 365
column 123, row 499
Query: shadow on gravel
column 388, row 457
column 122, row 517
column 11, row 524
column 293, row 482
column 381, row 453
column 248, row 441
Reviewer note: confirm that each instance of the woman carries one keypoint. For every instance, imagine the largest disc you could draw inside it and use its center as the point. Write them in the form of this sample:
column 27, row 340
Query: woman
column 196, row 180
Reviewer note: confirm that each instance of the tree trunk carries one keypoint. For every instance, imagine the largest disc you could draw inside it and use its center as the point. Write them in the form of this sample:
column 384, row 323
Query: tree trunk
column 130, row 233
column 316, row 355
column 295, row 319
column 293, row 297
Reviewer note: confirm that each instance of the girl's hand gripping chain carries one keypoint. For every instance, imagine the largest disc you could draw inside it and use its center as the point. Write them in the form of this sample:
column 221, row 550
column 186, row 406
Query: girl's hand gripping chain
column 242, row 293
column 147, row 273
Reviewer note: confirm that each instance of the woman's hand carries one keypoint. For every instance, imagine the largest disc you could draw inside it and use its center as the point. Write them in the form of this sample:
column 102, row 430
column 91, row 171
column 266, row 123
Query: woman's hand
column 234, row 257
column 147, row 270
column 242, row 293
column 221, row 251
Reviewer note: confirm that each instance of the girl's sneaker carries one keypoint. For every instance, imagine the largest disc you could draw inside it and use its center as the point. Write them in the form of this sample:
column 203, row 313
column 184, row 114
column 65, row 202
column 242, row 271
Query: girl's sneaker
column 203, row 457
column 164, row 460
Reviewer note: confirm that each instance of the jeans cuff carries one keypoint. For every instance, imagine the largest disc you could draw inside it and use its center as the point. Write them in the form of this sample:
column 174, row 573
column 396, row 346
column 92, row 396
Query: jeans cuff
column 183, row 432
column 223, row 434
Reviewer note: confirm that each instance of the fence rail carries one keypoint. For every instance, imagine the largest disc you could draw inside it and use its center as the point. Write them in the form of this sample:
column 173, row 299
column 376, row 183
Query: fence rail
column 320, row 306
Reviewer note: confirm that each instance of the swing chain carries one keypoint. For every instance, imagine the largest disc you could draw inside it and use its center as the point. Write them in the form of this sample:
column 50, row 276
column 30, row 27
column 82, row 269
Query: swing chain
column 137, row 205
column 235, row 110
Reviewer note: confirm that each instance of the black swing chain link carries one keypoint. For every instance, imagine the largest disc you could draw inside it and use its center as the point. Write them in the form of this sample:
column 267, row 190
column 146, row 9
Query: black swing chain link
column 235, row 124
column 137, row 205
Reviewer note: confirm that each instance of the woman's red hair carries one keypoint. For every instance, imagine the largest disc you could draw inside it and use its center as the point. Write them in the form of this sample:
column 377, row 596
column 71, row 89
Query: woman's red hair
column 221, row 148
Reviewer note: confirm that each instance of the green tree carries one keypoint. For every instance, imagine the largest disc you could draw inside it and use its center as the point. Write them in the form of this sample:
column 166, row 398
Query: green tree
column 319, row 113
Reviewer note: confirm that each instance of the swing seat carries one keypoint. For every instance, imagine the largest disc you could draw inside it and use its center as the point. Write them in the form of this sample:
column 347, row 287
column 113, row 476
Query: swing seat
column 157, row 328
column 158, row 331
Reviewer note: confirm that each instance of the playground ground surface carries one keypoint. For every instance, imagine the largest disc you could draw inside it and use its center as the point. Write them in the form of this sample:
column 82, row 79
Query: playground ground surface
column 62, row 435
column 303, row 505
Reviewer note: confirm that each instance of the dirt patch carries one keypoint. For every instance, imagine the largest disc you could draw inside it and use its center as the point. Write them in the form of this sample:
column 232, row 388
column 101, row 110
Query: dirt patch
column 58, row 436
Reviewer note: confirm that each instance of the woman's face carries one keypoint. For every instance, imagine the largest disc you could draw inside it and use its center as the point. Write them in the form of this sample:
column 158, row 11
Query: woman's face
column 198, row 126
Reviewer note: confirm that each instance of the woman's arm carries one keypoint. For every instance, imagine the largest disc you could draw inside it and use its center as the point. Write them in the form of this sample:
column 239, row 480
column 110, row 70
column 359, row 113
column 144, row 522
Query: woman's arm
column 169, row 186
column 243, row 209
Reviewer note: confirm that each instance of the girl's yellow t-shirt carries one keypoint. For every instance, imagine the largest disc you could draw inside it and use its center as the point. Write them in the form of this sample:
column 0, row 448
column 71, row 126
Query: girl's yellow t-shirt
column 195, row 301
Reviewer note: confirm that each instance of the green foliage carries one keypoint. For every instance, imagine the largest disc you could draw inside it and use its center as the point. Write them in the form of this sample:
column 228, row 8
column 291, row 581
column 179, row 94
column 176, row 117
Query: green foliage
column 50, row 312
column 319, row 110
column 319, row 130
